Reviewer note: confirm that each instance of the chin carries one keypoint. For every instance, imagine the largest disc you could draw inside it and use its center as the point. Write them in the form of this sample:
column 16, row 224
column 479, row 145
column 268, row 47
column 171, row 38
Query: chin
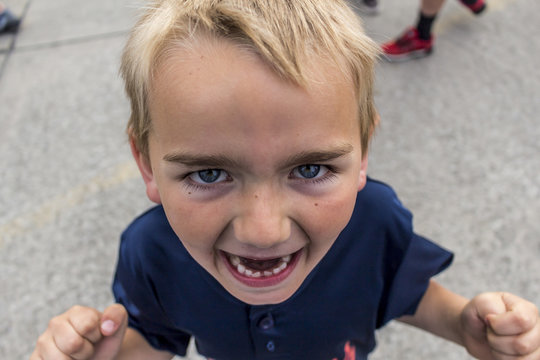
column 264, row 298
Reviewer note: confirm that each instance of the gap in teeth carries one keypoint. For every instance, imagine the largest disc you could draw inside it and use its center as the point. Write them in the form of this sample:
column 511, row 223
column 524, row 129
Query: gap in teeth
column 236, row 262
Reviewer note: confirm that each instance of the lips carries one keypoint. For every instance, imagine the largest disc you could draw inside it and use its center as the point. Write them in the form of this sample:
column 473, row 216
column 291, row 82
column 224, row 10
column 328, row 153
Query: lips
column 261, row 272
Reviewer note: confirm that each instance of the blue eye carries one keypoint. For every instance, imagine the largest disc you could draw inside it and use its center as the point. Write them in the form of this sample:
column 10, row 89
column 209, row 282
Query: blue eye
column 208, row 176
column 207, row 179
column 308, row 171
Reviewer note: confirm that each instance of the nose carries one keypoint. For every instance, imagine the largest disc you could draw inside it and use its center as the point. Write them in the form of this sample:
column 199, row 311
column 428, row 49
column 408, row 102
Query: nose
column 262, row 221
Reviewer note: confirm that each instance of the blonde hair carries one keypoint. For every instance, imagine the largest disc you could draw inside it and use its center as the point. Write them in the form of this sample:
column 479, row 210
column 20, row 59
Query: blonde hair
column 286, row 34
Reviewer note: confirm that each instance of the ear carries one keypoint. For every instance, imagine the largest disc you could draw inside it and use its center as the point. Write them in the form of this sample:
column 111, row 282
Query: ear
column 145, row 169
column 362, row 176
column 376, row 122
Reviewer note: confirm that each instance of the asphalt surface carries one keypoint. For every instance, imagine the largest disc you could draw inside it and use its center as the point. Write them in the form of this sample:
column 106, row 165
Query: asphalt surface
column 459, row 141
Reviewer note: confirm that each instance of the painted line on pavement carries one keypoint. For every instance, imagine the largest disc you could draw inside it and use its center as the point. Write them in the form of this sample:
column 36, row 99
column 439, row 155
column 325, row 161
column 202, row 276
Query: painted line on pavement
column 51, row 209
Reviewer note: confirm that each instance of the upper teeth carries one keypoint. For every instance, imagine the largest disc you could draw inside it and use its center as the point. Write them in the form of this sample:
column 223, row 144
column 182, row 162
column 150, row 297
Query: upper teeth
column 235, row 261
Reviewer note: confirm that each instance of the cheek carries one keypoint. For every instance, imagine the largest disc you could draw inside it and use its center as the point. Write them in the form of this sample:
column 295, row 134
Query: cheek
column 197, row 226
column 194, row 223
column 328, row 217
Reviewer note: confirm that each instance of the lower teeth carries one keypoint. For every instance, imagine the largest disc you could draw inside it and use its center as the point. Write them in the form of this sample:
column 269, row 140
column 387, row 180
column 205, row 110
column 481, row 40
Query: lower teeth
column 236, row 262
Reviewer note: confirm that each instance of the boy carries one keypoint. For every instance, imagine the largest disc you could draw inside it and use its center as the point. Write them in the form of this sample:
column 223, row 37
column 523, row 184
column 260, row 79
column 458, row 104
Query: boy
column 250, row 126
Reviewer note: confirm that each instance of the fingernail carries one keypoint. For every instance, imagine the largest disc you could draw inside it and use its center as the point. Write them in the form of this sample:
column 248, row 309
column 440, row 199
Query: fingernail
column 108, row 326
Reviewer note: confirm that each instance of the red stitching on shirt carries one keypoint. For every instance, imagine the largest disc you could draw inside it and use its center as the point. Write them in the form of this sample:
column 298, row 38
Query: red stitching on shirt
column 350, row 352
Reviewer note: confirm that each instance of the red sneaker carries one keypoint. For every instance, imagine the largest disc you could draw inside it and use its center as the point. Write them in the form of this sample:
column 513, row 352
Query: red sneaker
column 477, row 7
column 407, row 46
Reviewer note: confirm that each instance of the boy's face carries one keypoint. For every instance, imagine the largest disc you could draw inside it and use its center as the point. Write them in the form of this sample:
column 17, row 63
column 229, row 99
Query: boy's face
column 257, row 176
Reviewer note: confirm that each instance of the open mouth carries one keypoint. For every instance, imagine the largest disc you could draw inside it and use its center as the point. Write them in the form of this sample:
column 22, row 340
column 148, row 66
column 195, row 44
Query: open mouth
column 261, row 272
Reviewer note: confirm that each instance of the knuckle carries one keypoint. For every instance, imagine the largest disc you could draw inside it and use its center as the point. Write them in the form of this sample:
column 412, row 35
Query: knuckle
column 84, row 320
column 54, row 322
column 525, row 320
column 87, row 323
column 77, row 309
column 41, row 341
column 72, row 344
column 483, row 299
column 522, row 346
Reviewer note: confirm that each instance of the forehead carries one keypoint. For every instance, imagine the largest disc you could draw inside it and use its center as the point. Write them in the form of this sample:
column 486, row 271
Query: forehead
column 214, row 54
column 215, row 87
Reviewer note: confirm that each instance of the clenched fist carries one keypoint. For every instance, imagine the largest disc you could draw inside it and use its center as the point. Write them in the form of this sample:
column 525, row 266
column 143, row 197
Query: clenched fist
column 83, row 333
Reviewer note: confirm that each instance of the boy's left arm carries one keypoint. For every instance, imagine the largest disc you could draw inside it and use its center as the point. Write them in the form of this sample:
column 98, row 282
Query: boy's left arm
column 491, row 326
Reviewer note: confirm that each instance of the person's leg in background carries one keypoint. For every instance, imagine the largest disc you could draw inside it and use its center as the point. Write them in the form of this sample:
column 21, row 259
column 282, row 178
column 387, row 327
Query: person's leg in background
column 417, row 41
column 8, row 22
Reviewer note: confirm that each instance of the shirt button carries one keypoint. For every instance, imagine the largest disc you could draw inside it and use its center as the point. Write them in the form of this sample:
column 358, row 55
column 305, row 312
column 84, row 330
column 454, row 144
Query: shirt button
column 266, row 322
column 270, row 346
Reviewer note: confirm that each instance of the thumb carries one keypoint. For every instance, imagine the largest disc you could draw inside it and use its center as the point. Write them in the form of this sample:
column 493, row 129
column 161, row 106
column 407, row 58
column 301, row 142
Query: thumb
column 113, row 320
column 113, row 327
column 477, row 311
column 520, row 316
column 490, row 304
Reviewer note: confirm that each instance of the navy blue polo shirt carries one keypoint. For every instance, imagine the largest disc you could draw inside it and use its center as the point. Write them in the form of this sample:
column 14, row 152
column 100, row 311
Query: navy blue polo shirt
column 377, row 269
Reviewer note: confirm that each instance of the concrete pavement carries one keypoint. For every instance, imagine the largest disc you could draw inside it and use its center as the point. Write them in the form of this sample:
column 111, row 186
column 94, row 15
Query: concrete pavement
column 458, row 141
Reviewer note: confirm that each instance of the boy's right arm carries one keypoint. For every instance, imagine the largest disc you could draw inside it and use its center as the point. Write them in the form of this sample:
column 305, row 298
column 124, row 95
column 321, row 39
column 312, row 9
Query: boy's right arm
column 85, row 333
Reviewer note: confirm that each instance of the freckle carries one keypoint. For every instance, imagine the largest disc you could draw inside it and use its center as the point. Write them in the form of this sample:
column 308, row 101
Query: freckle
column 189, row 193
column 256, row 196
column 316, row 204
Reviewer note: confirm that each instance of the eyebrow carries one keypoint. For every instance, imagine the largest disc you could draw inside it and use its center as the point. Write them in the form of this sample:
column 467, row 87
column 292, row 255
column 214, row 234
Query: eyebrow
column 318, row 156
column 210, row 161
column 220, row 161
